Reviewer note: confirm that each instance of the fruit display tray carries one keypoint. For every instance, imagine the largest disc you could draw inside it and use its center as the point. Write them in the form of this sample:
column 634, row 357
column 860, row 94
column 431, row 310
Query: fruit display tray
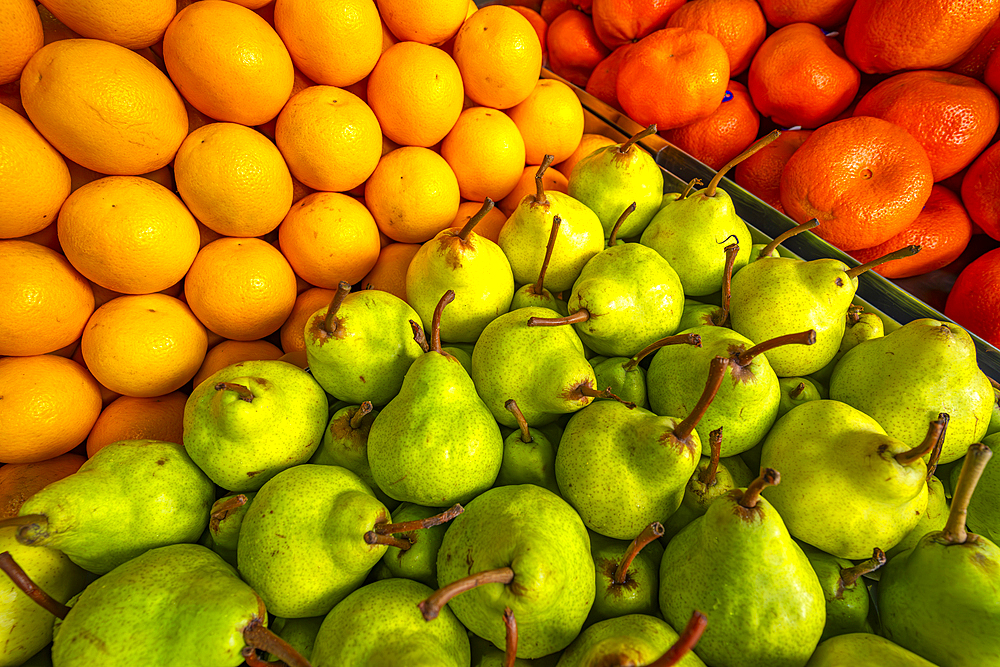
column 894, row 305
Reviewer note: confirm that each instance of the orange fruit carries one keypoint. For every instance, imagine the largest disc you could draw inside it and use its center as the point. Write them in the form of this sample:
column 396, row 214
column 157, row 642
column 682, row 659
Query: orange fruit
column 800, row 77
column 573, row 47
column 499, row 55
column 974, row 299
column 550, row 120
column 306, row 304
column 128, row 234
column 230, row 352
column 36, row 180
column 603, row 80
column 589, row 143
column 389, row 272
column 44, row 301
column 233, row 179
column 143, row 344
column 864, row 178
column 345, row 154
column 620, row 22
column 890, row 35
column 333, row 43
column 139, row 418
column 20, row 481
column 49, row 404
column 673, row 77
column 416, row 93
column 760, row 174
column 413, row 194
column 129, row 23
column 299, row 83
column 20, row 34
column 954, row 117
column 942, row 230
column 423, row 21
column 822, row 13
column 723, row 135
column 738, row 24
column 242, row 289
column 550, row 9
column 974, row 62
column 536, row 21
column 490, row 225
column 991, row 75
column 486, row 151
column 103, row 106
column 552, row 180
column 228, row 62
column 981, row 191
column 328, row 237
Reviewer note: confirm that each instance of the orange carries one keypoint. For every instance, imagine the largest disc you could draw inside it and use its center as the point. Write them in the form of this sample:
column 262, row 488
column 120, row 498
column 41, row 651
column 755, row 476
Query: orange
column 134, row 24
column 49, row 404
column 143, row 344
column 981, row 191
column 589, row 143
column 673, row 77
column 536, row 21
column 864, row 178
column 423, row 21
column 107, row 396
column 991, row 75
column 974, row 299
column 720, row 137
column 242, row 289
column 389, row 272
column 942, row 230
column 603, row 80
column 620, row 22
column 760, row 174
column 44, row 301
column 20, row 36
column 413, row 194
column 573, row 46
column 306, row 303
column 128, row 234
column 36, row 180
column 954, row 117
column 552, row 180
column 974, row 62
column 822, row 13
column 490, row 225
column 550, row 121
column 890, row 35
column 347, row 150
column 333, row 43
column 329, row 237
column 104, row 106
column 139, row 418
column 486, row 152
column 499, row 55
column 416, row 93
column 230, row 352
column 233, row 179
column 738, row 24
column 550, row 9
column 800, row 77
column 20, row 481
column 299, row 83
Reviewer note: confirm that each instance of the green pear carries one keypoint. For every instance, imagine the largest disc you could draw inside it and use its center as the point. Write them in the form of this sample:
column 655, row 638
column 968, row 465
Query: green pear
column 860, row 327
column 627, row 573
column 770, row 249
column 463, row 355
column 534, row 294
column 863, row 648
column 250, row 420
column 994, row 426
column 529, row 455
column 413, row 541
column 635, row 639
column 795, row 391
column 698, row 314
column 984, row 508
column 935, row 517
column 625, row 378
column 345, row 444
column 300, row 633
column 224, row 524
column 845, row 590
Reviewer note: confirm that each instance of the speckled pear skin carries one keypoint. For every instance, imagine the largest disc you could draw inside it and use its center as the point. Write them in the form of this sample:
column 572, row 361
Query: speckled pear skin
column 863, row 648
column 841, row 488
column 130, row 496
column 931, row 520
column 732, row 473
column 846, row 606
column 299, row 632
column 641, row 638
column 810, row 392
column 302, row 544
column 419, row 562
column 175, row 605
column 538, row 535
column 641, row 590
column 380, row 625
column 904, row 379
column 626, row 385
column 223, row 532
column 740, row 567
column 984, row 508
column 346, row 446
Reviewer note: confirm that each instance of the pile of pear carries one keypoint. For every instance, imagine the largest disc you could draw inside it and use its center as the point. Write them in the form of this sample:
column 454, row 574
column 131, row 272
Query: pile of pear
column 623, row 434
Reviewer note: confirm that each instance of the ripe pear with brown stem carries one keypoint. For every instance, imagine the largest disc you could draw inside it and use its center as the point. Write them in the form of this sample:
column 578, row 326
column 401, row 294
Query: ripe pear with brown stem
column 628, row 579
column 770, row 249
column 847, row 598
column 698, row 314
column 935, row 517
column 624, row 377
column 535, row 294
column 861, row 326
column 529, row 455
column 345, row 443
column 636, row 639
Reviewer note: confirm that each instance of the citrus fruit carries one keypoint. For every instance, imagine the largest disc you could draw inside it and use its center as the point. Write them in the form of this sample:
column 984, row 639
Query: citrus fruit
column 760, row 174
column 490, row 225
column 603, row 80
column 573, row 47
column 973, row 63
column 20, row 481
column 306, row 303
column 620, row 22
column 721, row 136
column 423, row 21
column 230, row 352
column 589, row 143
column 389, row 272
column 974, row 299
column 139, row 418
column 550, row 120
column 981, row 191
column 20, row 36
column 552, row 181
column 134, row 24
column 486, row 151
column 738, row 24
column 822, row 13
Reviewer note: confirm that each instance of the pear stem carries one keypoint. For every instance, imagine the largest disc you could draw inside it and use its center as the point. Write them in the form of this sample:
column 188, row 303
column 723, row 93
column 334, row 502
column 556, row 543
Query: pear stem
column 802, row 338
column 613, row 239
column 853, row 314
column 720, row 316
column 996, row 385
column 849, row 575
column 476, row 219
column 419, row 524
column 221, row 510
column 431, row 607
column 895, row 254
column 708, row 476
column 359, row 414
column 21, row 579
column 787, row 234
column 691, row 186
column 510, row 637
column 22, row 521
column 330, row 324
column 373, row 538
column 975, row 460
column 932, row 461
column 680, row 339
column 419, row 337
column 685, row 643
column 716, row 371
column 540, row 197
column 522, row 423
column 768, row 477
column 587, row 390
column 447, row 298
column 260, row 638
column 538, row 288
column 578, row 317
column 637, row 137
column 242, row 390
column 797, row 390
column 651, row 532
column 935, row 433
column 753, row 148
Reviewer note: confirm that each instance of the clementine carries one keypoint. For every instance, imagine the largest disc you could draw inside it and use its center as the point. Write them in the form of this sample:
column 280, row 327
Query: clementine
column 738, row 24
column 981, row 191
column 723, row 135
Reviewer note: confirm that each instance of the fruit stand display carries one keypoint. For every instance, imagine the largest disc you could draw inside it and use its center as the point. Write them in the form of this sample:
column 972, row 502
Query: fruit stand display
column 562, row 332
